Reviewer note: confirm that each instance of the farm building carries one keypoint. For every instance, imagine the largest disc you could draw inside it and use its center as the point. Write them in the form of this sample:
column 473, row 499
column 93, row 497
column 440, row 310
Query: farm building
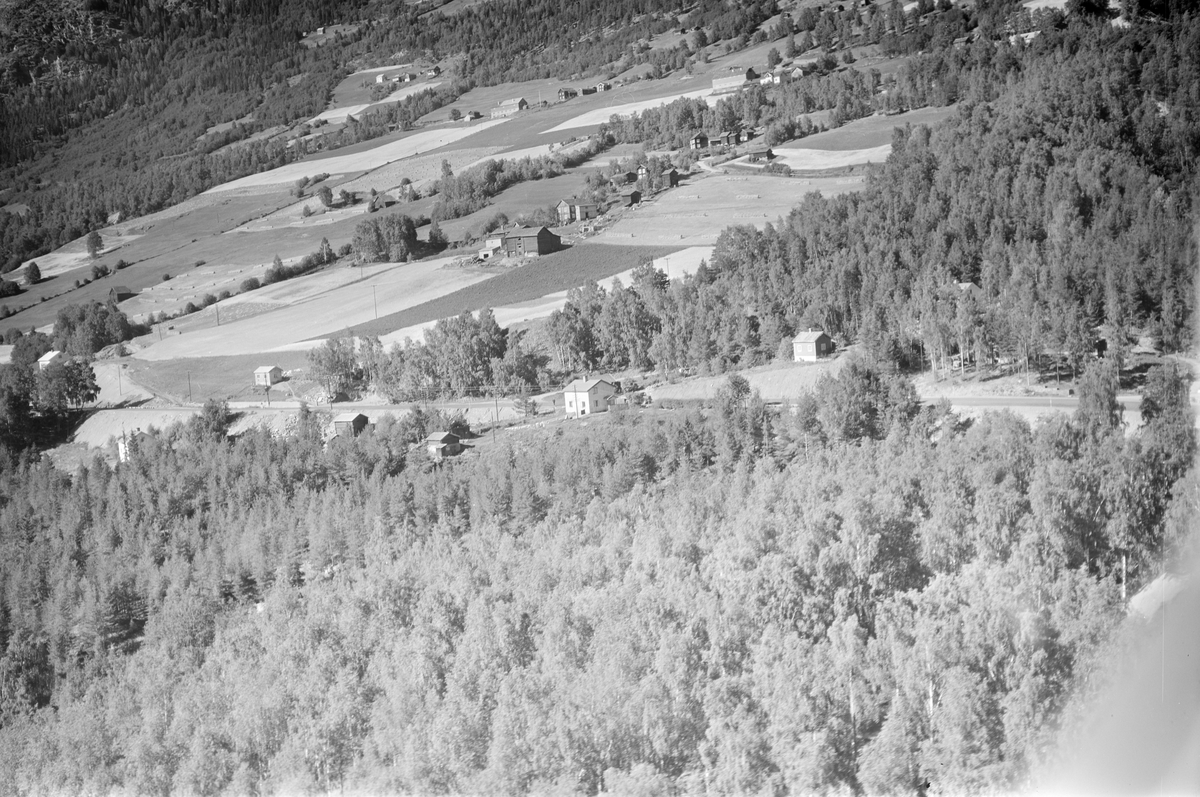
column 811, row 345
column 471, row 115
column 120, row 294
column 602, row 86
column 771, row 79
column 630, row 197
column 736, row 82
column 570, row 210
column 587, row 90
column 744, row 135
column 725, row 138
column 531, row 241
column 349, row 424
column 443, row 444
column 52, row 357
column 672, row 177
column 382, row 77
column 760, row 154
column 698, row 141
column 566, row 211
column 267, row 375
column 409, row 77
column 433, row 71
column 127, row 444
column 509, row 107
column 584, row 397
column 567, row 94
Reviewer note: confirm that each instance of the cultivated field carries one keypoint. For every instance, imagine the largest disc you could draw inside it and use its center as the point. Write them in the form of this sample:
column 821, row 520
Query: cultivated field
column 600, row 115
column 822, row 159
column 535, row 279
column 224, row 377
column 675, row 265
column 868, row 132
column 774, row 382
column 315, row 312
column 356, row 162
column 695, row 213
column 521, row 199
column 333, row 115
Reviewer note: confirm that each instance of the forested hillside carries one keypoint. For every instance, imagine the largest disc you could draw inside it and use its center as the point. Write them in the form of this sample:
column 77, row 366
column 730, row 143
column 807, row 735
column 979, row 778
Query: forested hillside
column 1064, row 187
column 723, row 601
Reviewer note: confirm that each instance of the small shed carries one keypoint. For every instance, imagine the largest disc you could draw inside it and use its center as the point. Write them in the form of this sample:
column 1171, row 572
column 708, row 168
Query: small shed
column 698, row 141
column 52, row 357
column 811, row 345
column 349, row 424
column 120, row 294
column 443, row 444
column 267, row 375
column 630, row 197
column 583, row 397
column 672, row 177
column 759, row 154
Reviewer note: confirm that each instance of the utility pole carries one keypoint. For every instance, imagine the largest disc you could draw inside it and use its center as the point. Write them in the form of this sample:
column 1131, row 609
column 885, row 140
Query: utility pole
column 189, row 387
column 217, row 307
column 376, row 298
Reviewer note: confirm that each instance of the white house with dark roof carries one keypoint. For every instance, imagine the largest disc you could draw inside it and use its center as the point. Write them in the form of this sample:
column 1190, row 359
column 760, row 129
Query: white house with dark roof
column 811, row 345
column 586, row 396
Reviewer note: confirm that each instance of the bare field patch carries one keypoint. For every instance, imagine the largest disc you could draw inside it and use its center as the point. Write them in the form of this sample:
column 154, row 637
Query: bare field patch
column 698, row 210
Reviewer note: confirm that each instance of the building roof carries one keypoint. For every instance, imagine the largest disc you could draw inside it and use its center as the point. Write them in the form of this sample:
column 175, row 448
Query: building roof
column 527, row 232
column 442, row 437
column 265, row 369
column 512, row 101
column 50, row 356
column 809, row 336
column 348, row 417
column 586, row 385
